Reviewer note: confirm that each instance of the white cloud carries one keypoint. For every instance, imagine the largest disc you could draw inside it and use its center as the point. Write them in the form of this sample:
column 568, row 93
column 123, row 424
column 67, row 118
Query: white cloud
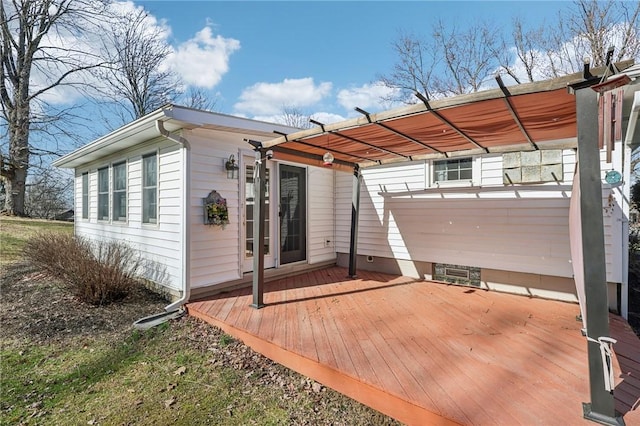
column 327, row 117
column 369, row 97
column 269, row 99
column 201, row 61
column 204, row 59
column 322, row 117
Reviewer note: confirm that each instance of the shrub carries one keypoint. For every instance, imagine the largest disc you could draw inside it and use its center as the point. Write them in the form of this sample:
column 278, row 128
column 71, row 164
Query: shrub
column 96, row 272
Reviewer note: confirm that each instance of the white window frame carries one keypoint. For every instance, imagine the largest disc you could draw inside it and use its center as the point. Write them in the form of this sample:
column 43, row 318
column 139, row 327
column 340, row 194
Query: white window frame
column 146, row 219
column 103, row 194
column 453, row 182
column 85, row 195
column 115, row 191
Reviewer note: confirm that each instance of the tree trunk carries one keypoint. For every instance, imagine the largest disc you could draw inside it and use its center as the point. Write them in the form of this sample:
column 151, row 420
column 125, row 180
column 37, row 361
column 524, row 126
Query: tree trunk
column 15, row 189
column 15, row 172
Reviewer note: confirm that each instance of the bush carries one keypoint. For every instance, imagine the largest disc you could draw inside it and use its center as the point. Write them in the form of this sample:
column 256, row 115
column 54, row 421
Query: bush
column 97, row 273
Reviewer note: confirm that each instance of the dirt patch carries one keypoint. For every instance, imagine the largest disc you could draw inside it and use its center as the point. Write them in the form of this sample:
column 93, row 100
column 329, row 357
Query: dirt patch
column 37, row 307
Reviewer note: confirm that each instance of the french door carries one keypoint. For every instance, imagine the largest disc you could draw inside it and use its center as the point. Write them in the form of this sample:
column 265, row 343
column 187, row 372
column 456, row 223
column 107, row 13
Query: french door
column 248, row 216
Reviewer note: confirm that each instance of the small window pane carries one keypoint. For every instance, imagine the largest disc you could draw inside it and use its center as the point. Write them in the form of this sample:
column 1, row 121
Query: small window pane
column 103, row 194
column 85, row 195
column 453, row 170
column 149, row 189
column 119, row 177
column 120, row 192
column 466, row 174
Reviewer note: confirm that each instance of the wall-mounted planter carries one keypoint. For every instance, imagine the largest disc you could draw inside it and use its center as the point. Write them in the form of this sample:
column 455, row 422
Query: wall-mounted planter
column 216, row 212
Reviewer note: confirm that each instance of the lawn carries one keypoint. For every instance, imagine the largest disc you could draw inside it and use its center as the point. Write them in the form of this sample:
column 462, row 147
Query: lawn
column 14, row 232
column 66, row 363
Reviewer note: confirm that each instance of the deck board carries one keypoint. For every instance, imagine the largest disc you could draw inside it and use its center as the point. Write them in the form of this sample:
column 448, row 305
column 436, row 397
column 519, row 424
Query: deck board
column 429, row 353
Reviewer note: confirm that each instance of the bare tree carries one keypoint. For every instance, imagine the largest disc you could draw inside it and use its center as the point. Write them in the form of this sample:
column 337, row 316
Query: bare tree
column 470, row 57
column 294, row 117
column 31, row 50
column 467, row 57
column 417, row 61
column 526, row 43
column 197, row 98
column 48, row 193
column 137, row 79
column 452, row 61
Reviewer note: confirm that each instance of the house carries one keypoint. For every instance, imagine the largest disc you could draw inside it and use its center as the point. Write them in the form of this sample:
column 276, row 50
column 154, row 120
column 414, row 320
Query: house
column 522, row 190
column 492, row 212
column 147, row 184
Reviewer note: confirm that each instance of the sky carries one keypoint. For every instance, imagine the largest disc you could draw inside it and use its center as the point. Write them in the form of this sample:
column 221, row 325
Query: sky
column 321, row 58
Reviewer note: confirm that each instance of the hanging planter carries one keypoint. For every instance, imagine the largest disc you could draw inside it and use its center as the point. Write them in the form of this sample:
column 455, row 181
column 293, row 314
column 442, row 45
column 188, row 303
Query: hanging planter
column 216, row 212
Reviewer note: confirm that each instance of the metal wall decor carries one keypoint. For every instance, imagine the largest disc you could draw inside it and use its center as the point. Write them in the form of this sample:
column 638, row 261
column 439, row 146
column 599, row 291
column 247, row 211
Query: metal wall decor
column 216, row 212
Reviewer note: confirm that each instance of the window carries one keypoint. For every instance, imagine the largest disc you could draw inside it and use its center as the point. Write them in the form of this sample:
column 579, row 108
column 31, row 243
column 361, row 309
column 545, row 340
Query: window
column 532, row 166
column 452, row 170
column 149, row 188
column 85, row 195
column 103, row 194
column 120, row 192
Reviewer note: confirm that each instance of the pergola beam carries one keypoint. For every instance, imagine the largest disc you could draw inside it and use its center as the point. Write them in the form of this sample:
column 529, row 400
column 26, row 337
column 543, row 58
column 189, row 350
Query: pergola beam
column 398, row 133
column 328, row 149
column 449, row 123
column 310, row 156
column 507, row 102
column 387, row 151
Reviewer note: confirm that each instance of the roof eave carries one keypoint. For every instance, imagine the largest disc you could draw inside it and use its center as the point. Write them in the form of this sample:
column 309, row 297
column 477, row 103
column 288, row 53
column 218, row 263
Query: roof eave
column 71, row 160
column 175, row 117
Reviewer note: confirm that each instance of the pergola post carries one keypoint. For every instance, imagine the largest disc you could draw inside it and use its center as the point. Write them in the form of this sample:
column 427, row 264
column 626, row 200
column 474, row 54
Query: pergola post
column 601, row 409
column 355, row 210
column 260, row 176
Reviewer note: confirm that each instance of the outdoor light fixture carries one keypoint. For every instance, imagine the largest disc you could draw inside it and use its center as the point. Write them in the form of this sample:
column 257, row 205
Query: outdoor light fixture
column 231, row 167
column 327, row 159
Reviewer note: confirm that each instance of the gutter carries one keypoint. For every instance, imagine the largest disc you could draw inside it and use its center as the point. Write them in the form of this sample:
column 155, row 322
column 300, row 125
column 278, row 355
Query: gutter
column 176, row 309
column 105, row 141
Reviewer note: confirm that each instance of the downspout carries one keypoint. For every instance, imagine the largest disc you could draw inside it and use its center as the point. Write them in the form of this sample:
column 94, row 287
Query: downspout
column 186, row 220
column 176, row 309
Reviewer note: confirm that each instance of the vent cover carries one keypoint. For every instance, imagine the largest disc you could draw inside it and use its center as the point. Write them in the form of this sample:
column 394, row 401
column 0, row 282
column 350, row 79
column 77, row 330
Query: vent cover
column 457, row 274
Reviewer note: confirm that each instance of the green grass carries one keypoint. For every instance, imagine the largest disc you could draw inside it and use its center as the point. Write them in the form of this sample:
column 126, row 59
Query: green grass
column 14, row 232
column 105, row 372
column 134, row 381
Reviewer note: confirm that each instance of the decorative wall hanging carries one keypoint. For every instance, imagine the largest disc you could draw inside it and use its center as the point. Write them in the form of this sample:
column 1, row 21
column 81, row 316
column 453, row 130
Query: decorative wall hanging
column 215, row 210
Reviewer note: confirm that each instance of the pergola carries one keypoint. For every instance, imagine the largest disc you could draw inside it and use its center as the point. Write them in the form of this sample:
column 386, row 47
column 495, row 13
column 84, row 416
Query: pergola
column 555, row 114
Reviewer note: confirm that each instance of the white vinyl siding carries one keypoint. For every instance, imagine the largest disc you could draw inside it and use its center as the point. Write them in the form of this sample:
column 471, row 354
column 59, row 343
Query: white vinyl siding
column 215, row 252
column 216, row 255
column 103, row 193
column 119, row 192
column 519, row 228
column 320, row 215
column 160, row 246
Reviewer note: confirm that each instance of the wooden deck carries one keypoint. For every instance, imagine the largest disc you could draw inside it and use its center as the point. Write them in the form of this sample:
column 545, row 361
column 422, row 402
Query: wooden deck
column 428, row 353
